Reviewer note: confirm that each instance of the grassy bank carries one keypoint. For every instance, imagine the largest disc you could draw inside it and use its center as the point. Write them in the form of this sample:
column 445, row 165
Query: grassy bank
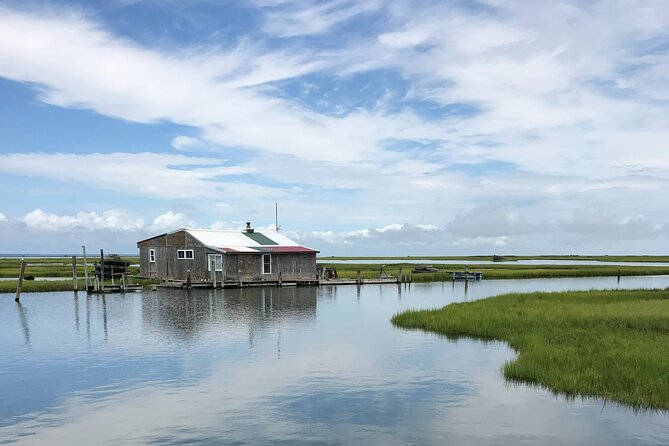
column 608, row 344
column 52, row 267
column 511, row 258
column 497, row 271
column 33, row 286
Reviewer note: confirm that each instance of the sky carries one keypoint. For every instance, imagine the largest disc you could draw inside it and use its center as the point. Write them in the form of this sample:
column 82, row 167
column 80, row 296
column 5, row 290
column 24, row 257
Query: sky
column 378, row 127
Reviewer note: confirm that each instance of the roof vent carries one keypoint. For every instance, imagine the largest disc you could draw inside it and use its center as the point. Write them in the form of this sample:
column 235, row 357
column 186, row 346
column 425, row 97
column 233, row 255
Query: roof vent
column 248, row 229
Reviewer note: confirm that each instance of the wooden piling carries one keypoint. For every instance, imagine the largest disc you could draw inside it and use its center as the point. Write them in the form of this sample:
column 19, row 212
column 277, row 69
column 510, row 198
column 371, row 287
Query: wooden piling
column 75, row 284
column 358, row 280
column 20, row 284
column 85, row 267
column 399, row 276
column 279, row 283
column 101, row 279
column 189, row 285
column 123, row 286
column 212, row 265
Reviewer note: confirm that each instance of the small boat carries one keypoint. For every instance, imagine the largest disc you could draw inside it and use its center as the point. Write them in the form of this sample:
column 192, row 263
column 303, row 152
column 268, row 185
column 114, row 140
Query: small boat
column 425, row 269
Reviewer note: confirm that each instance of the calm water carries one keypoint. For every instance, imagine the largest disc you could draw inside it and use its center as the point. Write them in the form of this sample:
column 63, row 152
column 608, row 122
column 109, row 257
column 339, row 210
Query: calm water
column 281, row 366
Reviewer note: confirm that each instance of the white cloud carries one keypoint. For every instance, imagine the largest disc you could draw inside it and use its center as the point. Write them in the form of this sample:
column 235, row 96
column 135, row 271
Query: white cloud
column 595, row 222
column 569, row 126
column 312, row 17
column 170, row 221
column 2, row 217
column 145, row 174
column 110, row 220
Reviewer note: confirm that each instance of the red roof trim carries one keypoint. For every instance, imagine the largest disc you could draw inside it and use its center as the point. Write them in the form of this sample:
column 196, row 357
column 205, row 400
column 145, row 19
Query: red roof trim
column 288, row 249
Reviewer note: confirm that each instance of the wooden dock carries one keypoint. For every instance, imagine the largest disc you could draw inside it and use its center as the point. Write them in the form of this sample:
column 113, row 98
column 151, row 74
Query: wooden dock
column 234, row 284
column 466, row 275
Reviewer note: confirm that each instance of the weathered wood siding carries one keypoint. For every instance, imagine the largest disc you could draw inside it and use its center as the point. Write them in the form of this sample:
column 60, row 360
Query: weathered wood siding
column 168, row 266
column 249, row 267
column 245, row 267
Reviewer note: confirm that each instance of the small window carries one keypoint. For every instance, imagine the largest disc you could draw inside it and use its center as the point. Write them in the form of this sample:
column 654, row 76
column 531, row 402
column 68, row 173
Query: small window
column 218, row 259
column 152, row 255
column 184, row 254
column 266, row 264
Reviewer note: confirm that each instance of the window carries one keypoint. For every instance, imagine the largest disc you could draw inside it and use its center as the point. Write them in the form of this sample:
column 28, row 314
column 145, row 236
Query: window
column 152, row 255
column 218, row 259
column 267, row 264
column 184, row 254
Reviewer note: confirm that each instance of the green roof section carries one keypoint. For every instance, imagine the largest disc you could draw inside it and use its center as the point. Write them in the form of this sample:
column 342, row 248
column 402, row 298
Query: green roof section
column 259, row 238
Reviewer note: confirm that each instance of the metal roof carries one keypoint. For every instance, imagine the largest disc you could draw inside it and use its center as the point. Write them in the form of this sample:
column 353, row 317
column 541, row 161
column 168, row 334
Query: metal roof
column 247, row 242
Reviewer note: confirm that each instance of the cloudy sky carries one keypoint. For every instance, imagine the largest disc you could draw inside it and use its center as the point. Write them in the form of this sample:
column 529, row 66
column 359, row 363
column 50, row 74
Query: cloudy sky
column 379, row 127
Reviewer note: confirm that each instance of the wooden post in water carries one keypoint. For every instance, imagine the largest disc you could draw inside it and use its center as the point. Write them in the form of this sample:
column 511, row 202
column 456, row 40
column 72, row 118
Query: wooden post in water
column 112, row 274
column 85, row 267
column 188, row 281
column 212, row 265
column 357, row 278
column 279, row 282
column 75, row 284
column 399, row 276
column 101, row 281
column 20, row 284
column 123, row 287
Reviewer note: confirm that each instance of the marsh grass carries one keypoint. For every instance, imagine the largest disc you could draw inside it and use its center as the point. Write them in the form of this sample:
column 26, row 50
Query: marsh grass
column 52, row 267
column 607, row 344
column 497, row 271
column 510, row 258
column 34, row 286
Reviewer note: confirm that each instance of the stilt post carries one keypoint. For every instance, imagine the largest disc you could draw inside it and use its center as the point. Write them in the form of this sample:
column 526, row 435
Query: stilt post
column 75, row 284
column 85, row 267
column 20, row 284
column 212, row 266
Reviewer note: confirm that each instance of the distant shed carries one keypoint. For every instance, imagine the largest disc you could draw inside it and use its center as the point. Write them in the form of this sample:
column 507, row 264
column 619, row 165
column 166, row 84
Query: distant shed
column 239, row 256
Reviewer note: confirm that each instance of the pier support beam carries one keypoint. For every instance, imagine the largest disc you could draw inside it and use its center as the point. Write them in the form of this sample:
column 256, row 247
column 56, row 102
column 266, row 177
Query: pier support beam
column 85, row 267
column 75, row 284
column 20, row 284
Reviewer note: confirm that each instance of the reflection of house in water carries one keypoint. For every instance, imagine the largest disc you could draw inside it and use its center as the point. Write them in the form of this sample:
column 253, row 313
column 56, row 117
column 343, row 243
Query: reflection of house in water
column 180, row 315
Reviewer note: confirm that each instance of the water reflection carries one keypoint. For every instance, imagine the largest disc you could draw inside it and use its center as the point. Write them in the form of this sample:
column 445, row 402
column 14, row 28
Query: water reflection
column 24, row 323
column 281, row 366
column 186, row 314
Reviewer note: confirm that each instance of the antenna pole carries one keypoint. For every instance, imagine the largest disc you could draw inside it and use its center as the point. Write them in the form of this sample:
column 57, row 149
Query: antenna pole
column 276, row 217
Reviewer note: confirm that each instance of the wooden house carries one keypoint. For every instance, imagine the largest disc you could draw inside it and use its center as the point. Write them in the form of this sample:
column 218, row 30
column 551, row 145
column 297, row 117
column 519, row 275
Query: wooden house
column 226, row 257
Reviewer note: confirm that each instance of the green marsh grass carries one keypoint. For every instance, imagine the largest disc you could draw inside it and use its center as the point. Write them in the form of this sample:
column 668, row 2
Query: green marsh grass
column 52, row 267
column 496, row 271
column 511, row 258
column 35, row 286
column 606, row 344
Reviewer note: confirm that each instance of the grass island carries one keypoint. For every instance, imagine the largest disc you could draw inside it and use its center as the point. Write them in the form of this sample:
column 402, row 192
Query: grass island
column 607, row 344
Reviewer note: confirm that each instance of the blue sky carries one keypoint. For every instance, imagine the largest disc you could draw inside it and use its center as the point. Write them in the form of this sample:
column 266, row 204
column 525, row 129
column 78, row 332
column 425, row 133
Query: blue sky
column 380, row 127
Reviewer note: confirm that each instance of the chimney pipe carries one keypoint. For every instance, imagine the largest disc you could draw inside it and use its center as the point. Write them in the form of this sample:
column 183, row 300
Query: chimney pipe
column 248, row 227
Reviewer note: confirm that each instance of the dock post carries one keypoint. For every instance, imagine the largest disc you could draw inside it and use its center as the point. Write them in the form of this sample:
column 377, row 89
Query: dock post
column 188, row 280
column 279, row 282
column 85, row 267
column 399, row 276
column 101, row 280
column 75, row 285
column 112, row 274
column 123, row 287
column 357, row 278
column 212, row 266
column 20, row 284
